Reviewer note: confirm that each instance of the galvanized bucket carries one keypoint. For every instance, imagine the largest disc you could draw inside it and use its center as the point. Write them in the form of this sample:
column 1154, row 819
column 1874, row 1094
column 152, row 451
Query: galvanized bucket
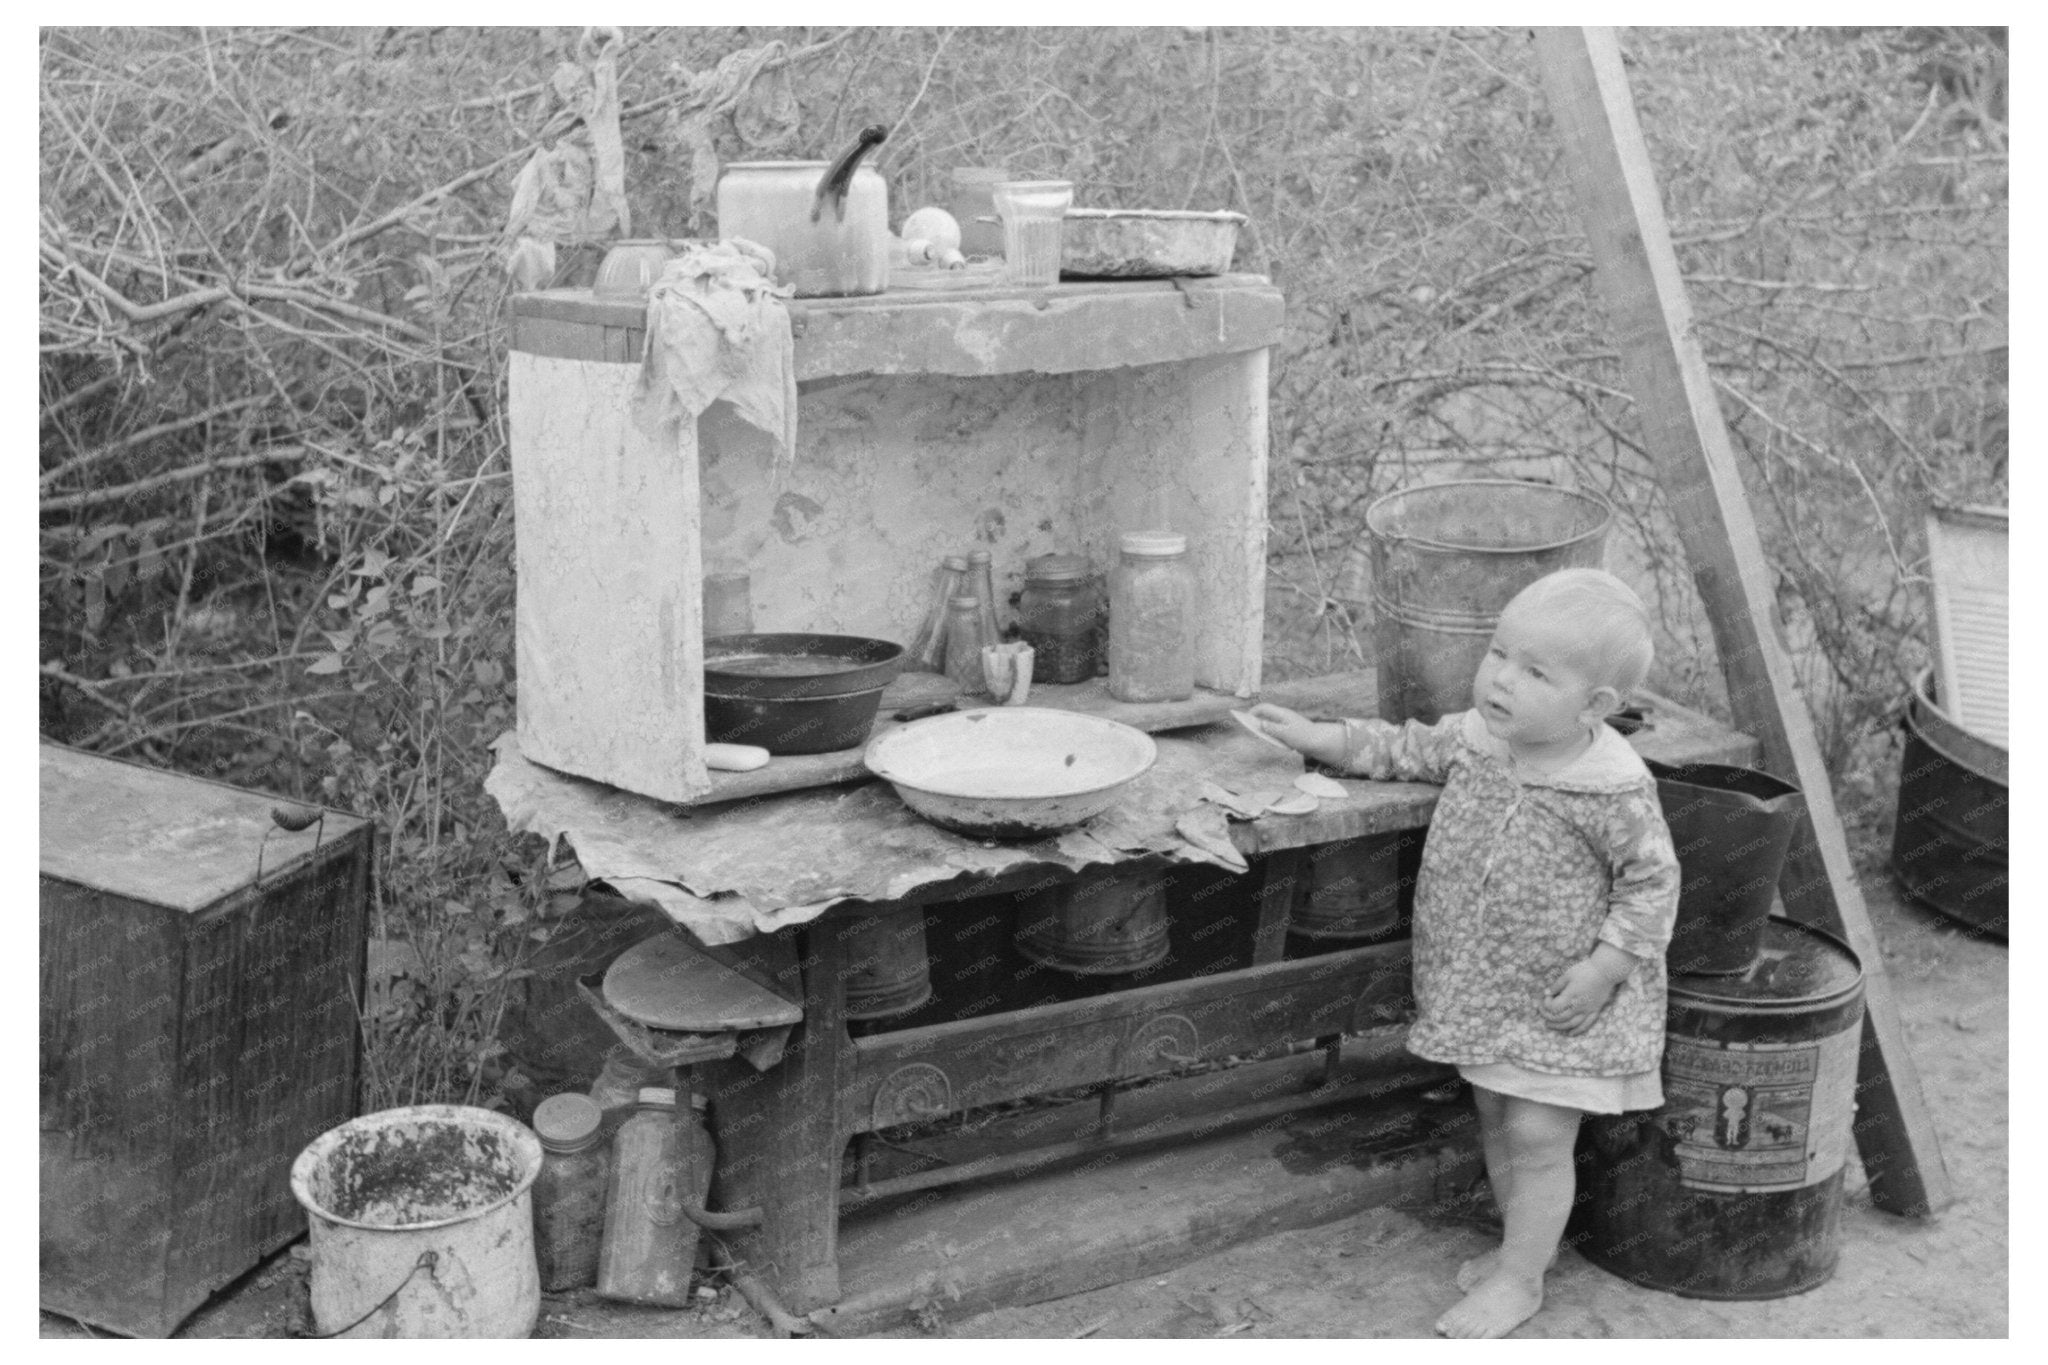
column 1446, row 558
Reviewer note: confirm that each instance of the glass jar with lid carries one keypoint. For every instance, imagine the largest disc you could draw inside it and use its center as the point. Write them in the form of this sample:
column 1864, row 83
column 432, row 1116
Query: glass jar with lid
column 1151, row 619
column 1059, row 617
column 569, row 1193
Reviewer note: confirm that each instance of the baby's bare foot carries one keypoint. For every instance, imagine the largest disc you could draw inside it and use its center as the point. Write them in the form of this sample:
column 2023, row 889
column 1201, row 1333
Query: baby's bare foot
column 1494, row 1308
column 1483, row 1265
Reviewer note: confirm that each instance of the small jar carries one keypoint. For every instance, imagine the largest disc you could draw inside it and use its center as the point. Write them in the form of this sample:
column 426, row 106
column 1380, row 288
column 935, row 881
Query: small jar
column 570, row 1192
column 1059, row 616
column 1151, row 619
column 964, row 638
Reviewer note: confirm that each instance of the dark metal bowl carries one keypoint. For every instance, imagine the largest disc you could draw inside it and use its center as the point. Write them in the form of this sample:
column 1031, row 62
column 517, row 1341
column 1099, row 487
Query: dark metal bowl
column 792, row 725
column 829, row 707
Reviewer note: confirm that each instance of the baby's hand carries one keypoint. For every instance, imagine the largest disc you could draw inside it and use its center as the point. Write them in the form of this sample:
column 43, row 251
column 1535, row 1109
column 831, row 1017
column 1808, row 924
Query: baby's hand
column 1576, row 998
column 1321, row 740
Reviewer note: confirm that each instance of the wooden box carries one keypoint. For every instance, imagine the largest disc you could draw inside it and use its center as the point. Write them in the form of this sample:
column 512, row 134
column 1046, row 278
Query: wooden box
column 1014, row 420
column 198, row 1029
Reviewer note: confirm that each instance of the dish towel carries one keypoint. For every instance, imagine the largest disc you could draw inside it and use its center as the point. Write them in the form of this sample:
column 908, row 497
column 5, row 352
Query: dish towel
column 717, row 328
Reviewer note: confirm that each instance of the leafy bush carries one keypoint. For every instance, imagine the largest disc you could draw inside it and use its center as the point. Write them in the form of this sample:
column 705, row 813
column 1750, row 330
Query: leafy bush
column 276, row 529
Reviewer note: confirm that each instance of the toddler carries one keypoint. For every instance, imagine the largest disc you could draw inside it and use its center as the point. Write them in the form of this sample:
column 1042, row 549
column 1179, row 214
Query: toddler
column 1546, row 898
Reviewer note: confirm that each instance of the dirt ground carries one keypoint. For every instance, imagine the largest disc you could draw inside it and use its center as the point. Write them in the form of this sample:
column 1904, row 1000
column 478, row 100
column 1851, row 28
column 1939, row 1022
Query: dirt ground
column 1385, row 1273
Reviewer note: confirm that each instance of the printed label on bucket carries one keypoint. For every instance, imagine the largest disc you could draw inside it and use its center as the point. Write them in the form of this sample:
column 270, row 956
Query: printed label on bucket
column 1750, row 1118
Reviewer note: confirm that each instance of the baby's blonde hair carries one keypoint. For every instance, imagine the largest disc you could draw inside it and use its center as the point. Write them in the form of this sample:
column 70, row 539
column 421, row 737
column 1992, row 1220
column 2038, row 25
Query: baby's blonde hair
column 1610, row 623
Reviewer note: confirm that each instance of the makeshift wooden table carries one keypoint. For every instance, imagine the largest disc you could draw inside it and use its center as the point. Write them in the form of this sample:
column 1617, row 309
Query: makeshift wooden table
column 1234, row 989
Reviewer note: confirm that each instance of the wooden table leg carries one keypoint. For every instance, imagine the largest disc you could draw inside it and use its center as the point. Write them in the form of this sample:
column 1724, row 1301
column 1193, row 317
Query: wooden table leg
column 779, row 1139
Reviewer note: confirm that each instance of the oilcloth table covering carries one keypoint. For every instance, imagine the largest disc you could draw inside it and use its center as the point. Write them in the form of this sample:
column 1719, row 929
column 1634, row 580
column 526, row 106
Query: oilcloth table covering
column 753, row 866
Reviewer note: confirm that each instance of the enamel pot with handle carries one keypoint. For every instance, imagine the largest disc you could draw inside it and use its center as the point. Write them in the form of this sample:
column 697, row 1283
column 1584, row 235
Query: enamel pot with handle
column 828, row 224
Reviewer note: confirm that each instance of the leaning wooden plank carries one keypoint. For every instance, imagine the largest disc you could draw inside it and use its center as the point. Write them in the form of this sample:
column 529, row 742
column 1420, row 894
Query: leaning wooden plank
column 1636, row 273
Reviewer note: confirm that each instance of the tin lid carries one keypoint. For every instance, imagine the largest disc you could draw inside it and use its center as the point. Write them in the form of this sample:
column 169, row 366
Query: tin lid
column 1153, row 544
column 979, row 557
column 957, row 563
column 658, row 1094
column 1795, row 966
column 964, row 602
column 567, row 1122
column 1056, row 568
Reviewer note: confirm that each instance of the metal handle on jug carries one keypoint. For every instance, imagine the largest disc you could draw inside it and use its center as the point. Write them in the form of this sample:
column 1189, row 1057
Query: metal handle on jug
column 840, row 175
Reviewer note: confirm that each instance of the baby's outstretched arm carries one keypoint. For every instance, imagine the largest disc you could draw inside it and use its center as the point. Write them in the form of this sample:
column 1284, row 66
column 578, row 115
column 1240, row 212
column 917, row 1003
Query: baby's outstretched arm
column 1381, row 750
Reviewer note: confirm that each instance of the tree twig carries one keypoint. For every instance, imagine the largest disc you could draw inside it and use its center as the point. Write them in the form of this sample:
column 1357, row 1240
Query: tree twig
column 136, row 438
column 93, row 497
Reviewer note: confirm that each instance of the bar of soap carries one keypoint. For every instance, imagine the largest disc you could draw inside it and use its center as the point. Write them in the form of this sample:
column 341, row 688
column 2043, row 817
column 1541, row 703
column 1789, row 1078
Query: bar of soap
column 735, row 758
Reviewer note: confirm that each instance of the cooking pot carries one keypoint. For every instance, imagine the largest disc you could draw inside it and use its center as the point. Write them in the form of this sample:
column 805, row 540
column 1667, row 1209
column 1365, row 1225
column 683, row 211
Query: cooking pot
column 828, row 225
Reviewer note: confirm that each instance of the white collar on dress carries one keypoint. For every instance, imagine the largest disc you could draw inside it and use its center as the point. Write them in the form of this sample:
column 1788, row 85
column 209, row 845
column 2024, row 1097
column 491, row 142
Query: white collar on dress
column 1609, row 764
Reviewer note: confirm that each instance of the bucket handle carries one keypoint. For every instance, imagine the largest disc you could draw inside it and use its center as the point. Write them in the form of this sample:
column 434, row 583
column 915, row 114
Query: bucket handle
column 428, row 1259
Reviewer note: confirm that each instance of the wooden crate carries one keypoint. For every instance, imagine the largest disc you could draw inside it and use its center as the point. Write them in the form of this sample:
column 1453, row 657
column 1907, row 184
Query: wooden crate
column 1018, row 421
column 198, row 1029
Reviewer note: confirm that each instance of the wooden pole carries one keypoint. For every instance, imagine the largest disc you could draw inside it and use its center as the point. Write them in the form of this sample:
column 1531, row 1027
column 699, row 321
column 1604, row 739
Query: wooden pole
column 1636, row 274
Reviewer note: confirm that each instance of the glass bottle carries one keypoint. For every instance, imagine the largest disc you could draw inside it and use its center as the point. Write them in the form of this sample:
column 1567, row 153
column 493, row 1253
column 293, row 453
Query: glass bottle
column 570, row 1192
column 927, row 652
column 1151, row 611
column 981, row 581
column 649, row 1245
column 964, row 639
column 1058, row 617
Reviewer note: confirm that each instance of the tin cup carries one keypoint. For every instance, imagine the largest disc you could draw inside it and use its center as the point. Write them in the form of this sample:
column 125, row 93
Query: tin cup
column 1006, row 668
column 1032, row 212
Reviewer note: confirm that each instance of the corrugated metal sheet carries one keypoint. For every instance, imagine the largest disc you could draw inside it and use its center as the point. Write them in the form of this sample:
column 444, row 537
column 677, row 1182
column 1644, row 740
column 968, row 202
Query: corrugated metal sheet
column 1966, row 548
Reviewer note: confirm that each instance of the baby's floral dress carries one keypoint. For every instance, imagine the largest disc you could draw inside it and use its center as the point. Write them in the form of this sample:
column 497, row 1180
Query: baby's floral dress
column 1521, row 876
